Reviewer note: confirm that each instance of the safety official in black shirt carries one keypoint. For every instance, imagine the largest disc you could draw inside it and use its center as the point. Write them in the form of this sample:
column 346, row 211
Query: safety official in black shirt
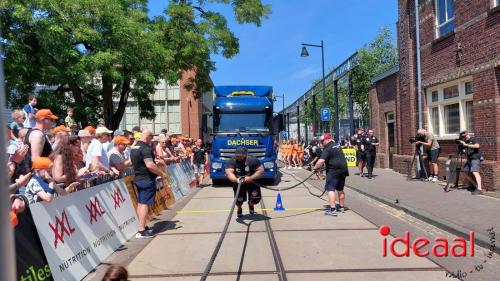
column 250, row 169
column 360, row 151
column 336, row 171
column 370, row 143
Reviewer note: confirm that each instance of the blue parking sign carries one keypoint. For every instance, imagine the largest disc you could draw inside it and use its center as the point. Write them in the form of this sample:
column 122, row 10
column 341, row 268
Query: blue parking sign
column 325, row 114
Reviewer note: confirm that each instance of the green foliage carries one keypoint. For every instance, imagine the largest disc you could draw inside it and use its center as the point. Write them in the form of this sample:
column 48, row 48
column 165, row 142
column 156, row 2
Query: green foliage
column 98, row 52
column 374, row 58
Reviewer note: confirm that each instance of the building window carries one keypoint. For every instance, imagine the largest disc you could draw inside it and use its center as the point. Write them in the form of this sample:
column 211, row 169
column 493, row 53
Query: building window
column 450, row 108
column 468, row 86
column 435, row 96
column 452, row 119
column 435, row 120
column 445, row 14
column 469, row 116
column 450, row 92
column 496, row 3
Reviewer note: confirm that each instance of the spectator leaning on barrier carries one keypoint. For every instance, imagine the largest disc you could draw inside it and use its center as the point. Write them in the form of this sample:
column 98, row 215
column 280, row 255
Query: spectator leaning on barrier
column 29, row 112
column 163, row 154
column 85, row 139
column 199, row 160
column 41, row 186
column 59, row 132
column 97, row 158
column 37, row 140
column 17, row 123
column 65, row 169
column 116, row 155
column 146, row 172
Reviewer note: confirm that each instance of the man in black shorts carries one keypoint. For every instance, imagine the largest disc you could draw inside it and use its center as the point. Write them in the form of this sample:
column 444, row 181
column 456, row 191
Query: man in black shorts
column 146, row 172
column 336, row 171
column 360, row 151
column 247, row 167
column 370, row 143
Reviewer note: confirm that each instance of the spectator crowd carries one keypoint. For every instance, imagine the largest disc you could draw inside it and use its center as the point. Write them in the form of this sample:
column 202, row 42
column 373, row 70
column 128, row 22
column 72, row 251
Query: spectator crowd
column 50, row 156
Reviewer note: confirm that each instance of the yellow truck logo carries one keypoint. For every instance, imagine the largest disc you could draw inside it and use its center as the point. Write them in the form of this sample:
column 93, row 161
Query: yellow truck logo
column 242, row 142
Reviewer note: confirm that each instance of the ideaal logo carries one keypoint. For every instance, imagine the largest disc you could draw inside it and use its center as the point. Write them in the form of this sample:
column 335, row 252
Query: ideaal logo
column 440, row 248
column 61, row 227
column 117, row 197
column 440, row 245
column 94, row 209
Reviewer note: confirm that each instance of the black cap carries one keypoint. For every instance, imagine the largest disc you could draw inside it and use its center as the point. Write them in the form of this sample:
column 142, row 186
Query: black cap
column 241, row 151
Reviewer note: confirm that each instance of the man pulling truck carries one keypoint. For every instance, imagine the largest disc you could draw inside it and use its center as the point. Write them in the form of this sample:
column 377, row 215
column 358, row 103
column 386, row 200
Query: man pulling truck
column 249, row 169
column 370, row 143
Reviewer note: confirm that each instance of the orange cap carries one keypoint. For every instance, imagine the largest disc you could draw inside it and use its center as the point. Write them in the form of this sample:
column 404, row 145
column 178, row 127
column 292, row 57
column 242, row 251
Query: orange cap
column 121, row 140
column 45, row 114
column 90, row 129
column 60, row 129
column 41, row 163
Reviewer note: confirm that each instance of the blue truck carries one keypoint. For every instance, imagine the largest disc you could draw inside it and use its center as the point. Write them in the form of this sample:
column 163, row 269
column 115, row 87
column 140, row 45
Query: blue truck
column 242, row 117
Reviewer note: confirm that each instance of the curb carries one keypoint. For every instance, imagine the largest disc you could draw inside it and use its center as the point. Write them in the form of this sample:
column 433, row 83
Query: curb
column 481, row 240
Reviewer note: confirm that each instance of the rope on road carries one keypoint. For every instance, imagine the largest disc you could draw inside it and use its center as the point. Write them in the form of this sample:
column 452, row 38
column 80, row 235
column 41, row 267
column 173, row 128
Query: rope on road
column 208, row 268
column 303, row 183
column 206, row 272
column 290, row 187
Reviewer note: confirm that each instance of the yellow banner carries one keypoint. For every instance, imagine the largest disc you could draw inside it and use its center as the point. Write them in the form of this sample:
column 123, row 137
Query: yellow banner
column 350, row 156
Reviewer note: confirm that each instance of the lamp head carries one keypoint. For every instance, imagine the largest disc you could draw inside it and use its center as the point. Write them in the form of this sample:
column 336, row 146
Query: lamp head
column 304, row 52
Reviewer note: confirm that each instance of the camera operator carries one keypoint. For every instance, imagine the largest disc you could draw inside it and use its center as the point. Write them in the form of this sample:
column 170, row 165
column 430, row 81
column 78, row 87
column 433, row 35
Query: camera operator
column 431, row 146
column 473, row 164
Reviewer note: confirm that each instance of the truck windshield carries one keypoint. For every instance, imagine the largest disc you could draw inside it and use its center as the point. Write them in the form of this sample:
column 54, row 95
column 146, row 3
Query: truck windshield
column 229, row 122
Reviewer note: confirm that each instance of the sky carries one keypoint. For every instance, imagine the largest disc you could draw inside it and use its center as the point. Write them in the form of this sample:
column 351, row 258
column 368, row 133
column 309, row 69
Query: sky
column 270, row 54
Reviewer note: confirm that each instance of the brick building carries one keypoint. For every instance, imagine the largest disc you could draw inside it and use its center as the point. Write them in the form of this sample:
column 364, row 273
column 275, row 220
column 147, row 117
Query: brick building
column 460, row 70
column 176, row 110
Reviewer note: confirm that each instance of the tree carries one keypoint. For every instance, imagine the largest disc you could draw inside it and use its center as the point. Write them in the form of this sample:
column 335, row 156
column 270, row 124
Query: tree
column 375, row 57
column 97, row 52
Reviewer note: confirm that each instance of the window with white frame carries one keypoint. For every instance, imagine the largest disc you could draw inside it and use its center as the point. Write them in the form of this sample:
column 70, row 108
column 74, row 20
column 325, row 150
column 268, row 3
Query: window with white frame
column 450, row 108
column 496, row 3
column 445, row 17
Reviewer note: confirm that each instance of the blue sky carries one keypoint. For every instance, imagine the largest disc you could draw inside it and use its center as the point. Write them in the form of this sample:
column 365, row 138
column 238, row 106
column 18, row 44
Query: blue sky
column 270, row 54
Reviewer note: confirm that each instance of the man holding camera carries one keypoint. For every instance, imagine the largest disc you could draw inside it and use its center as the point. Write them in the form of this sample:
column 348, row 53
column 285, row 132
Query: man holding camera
column 431, row 145
column 473, row 164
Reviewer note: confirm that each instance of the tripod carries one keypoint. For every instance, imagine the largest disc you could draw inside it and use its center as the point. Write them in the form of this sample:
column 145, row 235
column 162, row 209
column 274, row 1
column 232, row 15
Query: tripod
column 423, row 170
column 455, row 168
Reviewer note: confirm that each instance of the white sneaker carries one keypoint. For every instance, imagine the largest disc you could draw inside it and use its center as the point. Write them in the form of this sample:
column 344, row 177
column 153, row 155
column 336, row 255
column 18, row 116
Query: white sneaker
column 435, row 179
column 300, row 167
column 430, row 178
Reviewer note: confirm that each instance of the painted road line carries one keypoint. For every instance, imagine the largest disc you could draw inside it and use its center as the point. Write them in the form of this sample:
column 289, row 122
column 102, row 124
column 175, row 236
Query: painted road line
column 256, row 209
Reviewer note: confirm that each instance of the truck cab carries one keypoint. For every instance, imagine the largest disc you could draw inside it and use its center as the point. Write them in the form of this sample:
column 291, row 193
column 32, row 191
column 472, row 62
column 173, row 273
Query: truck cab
column 242, row 117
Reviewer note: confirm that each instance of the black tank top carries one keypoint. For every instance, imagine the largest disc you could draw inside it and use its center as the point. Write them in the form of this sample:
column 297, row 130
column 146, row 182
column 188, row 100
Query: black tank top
column 25, row 166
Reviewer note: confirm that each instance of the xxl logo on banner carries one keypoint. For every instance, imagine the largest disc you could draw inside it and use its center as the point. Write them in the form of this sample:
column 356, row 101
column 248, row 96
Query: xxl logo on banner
column 62, row 226
column 94, row 209
column 117, row 197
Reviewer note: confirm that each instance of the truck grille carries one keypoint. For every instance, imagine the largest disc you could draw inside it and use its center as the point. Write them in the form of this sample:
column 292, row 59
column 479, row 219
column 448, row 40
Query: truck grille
column 227, row 153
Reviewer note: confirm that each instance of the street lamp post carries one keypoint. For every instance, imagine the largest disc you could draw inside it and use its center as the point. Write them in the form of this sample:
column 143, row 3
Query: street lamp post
column 304, row 53
column 283, row 109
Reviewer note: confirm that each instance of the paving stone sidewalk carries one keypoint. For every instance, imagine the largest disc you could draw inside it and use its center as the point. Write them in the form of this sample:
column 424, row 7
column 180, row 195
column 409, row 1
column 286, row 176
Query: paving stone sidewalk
column 456, row 211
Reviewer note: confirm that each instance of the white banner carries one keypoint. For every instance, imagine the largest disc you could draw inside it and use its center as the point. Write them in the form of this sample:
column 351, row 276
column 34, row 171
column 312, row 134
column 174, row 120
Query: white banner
column 81, row 230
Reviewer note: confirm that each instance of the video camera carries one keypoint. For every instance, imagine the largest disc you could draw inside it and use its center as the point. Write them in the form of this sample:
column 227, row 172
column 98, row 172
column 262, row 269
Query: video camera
column 417, row 137
column 458, row 142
